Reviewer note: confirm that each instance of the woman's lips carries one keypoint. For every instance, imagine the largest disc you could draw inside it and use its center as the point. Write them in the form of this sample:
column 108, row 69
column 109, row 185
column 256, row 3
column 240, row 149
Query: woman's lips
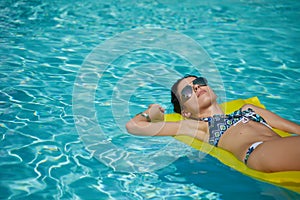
column 201, row 92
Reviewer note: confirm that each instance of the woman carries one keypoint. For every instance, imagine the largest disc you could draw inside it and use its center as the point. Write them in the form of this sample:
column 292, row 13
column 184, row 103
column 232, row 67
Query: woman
column 246, row 133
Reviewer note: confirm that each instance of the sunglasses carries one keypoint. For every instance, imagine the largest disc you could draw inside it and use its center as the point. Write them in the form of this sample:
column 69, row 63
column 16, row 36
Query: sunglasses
column 187, row 91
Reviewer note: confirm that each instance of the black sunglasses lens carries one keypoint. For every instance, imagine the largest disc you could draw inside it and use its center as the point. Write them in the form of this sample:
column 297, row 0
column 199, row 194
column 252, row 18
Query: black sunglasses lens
column 186, row 92
column 200, row 81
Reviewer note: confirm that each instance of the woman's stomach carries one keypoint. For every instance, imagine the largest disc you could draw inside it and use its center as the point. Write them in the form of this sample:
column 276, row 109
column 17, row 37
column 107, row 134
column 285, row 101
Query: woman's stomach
column 237, row 139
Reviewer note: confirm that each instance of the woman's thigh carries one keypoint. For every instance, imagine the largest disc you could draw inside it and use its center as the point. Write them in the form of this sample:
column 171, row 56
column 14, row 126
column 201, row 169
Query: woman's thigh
column 277, row 155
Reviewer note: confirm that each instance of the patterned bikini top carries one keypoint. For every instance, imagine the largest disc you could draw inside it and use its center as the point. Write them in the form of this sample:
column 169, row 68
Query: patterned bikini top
column 219, row 124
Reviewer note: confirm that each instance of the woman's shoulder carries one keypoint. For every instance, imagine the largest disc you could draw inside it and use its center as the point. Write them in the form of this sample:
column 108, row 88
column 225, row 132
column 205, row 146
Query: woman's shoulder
column 247, row 106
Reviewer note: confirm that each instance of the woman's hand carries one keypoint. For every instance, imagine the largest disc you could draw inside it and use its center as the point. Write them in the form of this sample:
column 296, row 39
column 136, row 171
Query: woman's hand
column 155, row 112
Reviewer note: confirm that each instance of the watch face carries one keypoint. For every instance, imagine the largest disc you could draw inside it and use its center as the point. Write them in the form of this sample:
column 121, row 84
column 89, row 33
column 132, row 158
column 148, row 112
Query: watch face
column 146, row 116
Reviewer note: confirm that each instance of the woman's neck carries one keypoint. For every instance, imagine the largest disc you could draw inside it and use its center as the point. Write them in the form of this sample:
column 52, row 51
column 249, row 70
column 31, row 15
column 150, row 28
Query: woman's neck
column 214, row 109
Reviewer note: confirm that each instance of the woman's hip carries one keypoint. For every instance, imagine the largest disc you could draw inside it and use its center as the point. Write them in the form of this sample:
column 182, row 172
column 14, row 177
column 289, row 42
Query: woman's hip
column 280, row 154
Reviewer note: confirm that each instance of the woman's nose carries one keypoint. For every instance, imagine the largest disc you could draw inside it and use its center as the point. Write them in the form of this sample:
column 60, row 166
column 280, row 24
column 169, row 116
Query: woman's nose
column 196, row 87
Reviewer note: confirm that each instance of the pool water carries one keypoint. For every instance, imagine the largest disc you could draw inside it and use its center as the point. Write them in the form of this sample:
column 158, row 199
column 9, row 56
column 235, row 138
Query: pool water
column 73, row 72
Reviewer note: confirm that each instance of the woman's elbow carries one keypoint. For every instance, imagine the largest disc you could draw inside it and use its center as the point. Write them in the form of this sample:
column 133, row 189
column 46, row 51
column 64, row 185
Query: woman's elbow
column 131, row 127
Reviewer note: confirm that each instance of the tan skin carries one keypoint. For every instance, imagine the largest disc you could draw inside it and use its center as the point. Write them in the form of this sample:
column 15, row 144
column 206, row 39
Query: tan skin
column 274, row 154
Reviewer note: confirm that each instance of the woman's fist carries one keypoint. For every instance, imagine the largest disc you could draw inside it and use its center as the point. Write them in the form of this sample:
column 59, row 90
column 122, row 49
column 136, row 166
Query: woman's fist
column 155, row 112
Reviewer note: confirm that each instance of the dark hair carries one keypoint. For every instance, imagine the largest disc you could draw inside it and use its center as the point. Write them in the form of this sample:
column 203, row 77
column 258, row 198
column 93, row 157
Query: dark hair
column 175, row 96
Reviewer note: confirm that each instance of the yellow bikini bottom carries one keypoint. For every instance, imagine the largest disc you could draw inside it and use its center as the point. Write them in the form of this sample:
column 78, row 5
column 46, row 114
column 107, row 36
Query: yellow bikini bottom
column 286, row 179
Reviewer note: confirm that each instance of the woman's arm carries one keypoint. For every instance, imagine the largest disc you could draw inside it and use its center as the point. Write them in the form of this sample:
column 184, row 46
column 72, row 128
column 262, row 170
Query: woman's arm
column 140, row 125
column 274, row 120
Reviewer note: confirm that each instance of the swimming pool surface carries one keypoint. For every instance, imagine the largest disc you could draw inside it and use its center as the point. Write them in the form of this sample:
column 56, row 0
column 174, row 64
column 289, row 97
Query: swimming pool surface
column 73, row 72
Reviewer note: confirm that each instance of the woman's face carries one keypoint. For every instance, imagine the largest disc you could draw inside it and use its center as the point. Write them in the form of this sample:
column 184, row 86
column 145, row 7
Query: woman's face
column 201, row 96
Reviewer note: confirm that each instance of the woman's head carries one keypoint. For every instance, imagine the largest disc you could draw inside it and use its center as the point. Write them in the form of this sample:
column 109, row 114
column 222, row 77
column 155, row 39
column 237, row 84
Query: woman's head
column 190, row 94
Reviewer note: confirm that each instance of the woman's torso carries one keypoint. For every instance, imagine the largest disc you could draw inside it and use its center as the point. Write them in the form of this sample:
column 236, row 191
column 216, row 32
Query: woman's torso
column 237, row 139
column 240, row 136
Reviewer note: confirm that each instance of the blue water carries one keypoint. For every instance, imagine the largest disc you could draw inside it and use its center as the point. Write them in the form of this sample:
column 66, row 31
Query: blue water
column 63, row 111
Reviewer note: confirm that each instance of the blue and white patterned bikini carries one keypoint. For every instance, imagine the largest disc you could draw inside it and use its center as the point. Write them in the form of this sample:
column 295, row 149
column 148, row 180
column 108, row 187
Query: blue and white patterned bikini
column 219, row 124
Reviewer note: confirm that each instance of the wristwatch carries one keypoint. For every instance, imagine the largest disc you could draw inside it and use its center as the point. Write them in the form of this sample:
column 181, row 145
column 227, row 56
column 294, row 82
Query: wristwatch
column 146, row 116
